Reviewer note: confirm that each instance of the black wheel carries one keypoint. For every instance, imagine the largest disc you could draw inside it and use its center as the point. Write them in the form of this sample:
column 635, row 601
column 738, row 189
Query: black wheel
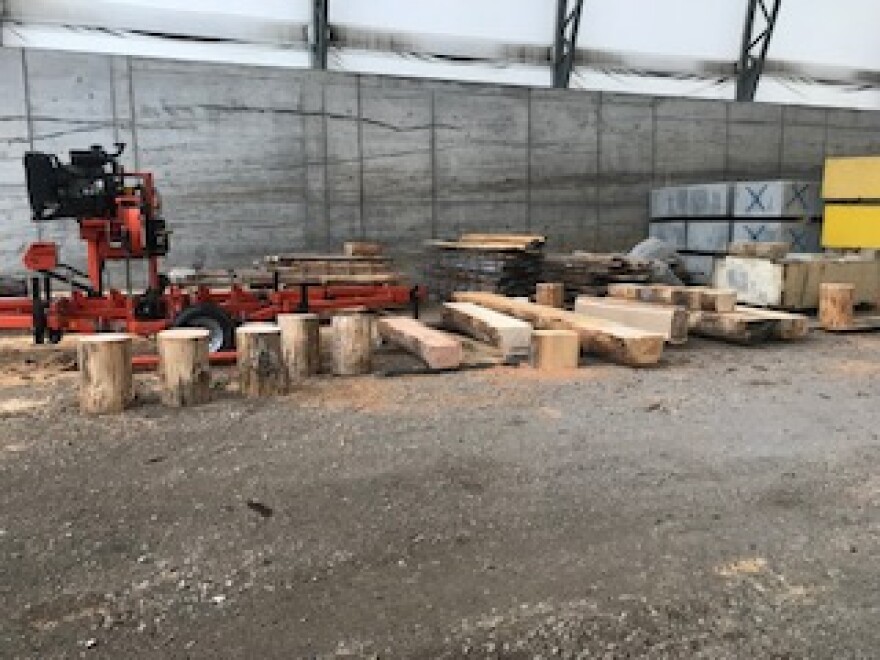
column 217, row 322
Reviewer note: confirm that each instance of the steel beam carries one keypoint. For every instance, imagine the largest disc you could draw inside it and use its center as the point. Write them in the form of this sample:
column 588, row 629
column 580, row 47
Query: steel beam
column 568, row 19
column 320, row 34
column 758, row 29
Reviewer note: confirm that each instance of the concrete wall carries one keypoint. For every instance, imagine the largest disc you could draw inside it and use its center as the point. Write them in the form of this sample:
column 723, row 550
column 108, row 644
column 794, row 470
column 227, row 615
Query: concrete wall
column 254, row 160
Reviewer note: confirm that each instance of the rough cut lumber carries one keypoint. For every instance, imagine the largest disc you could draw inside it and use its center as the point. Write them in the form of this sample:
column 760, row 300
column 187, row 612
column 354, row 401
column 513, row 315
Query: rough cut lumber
column 105, row 380
column 352, row 343
column 261, row 368
column 554, row 349
column 512, row 239
column 747, row 325
column 786, row 325
column 671, row 321
column 300, row 344
column 692, row 297
column 619, row 343
column 509, row 334
column 551, row 294
column 184, row 371
column 361, row 249
column 761, row 250
column 737, row 327
column 436, row 349
column 836, row 305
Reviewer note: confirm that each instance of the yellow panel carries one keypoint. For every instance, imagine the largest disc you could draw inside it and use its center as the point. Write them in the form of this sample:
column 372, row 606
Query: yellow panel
column 852, row 178
column 851, row 226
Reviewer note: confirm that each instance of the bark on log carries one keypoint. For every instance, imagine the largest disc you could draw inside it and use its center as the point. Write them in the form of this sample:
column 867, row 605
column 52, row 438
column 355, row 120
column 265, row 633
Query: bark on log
column 352, row 344
column 300, row 344
column 105, row 384
column 261, row 368
column 184, row 372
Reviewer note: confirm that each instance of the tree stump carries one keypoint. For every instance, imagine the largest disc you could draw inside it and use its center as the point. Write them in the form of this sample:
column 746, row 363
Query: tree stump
column 184, row 372
column 105, row 383
column 261, row 368
column 300, row 344
column 551, row 294
column 352, row 344
column 836, row 305
column 554, row 349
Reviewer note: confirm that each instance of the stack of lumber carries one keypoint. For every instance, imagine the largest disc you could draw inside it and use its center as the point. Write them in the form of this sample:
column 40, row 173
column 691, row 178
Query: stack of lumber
column 715, row 313
column 617, row 342
column 295, row 269
column 588, row 273
column 509, row 264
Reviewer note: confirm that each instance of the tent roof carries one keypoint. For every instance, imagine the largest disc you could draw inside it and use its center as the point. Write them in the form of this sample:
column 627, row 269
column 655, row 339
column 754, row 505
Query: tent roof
column 669, row 47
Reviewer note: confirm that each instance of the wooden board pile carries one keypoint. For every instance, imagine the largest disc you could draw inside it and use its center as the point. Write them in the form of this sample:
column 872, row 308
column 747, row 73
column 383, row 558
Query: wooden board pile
column 293, row 269
column 715, row 313
column 589, row 273
column 509, row 264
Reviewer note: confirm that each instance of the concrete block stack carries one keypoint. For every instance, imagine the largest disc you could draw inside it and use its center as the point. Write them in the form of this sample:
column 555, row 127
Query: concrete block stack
column 701, row 220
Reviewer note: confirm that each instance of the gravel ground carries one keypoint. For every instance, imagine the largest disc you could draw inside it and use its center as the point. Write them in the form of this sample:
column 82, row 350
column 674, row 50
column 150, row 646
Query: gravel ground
column 723, row 505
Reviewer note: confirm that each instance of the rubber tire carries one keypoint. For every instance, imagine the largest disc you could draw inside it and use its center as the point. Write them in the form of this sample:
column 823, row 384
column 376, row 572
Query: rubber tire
column 190, row 318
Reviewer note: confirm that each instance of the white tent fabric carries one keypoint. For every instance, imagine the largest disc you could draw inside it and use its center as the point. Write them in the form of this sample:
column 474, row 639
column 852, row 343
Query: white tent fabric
column 645, row 46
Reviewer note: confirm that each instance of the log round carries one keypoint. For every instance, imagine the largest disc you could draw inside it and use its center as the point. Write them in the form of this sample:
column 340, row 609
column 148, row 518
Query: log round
column 261, row 368
column 184, row 371
column 836, row 305
column 551, row 294
column 105, row 383
column 352, row 344
column 300, row 344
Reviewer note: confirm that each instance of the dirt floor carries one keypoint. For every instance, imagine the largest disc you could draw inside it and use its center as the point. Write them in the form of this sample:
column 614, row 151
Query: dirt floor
column 723, row 505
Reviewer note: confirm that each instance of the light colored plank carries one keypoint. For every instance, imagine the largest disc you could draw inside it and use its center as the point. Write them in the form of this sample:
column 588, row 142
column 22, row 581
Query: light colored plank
column 788, row 325
column 437, row 349
column 509, row 334
column 618, row 342
column 671, row 321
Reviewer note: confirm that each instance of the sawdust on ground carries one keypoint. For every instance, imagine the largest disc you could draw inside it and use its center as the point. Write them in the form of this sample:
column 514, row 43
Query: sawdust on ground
column 503, row 375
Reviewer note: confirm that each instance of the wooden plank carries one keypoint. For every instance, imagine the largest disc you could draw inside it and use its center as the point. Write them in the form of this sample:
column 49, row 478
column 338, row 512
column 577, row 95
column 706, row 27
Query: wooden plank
column 761, row 250
column 671, row 321
column 437, row 349
column 786, row 325
column 518, row 239
column 737, row 327
column 490, row 246
column 692, row 297
column 361, row 249
column 509, row 334
column 860, row 323
column 620, row 343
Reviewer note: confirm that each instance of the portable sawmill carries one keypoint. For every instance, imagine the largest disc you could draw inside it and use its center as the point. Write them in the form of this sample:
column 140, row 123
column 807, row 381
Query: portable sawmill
column 120, row 219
